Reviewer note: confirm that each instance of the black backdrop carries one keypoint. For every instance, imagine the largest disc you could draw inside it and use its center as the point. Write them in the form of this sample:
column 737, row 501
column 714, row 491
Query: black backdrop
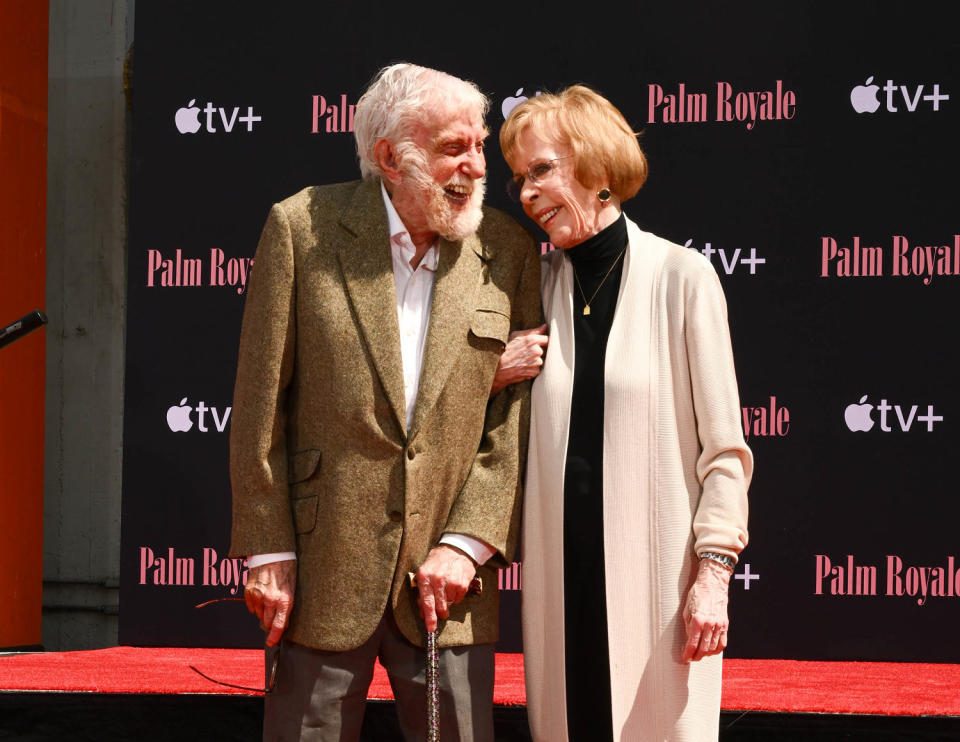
column 812, row 334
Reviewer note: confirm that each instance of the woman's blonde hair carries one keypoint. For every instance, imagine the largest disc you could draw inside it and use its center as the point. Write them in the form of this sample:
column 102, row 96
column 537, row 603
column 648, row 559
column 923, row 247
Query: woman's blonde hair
column 605, row 149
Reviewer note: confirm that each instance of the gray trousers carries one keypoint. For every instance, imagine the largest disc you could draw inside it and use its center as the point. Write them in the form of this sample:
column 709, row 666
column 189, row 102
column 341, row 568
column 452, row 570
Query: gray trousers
column 320, row 696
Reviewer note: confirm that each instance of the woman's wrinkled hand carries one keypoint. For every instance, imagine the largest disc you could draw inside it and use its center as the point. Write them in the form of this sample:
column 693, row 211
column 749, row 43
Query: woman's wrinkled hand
column 705, row 612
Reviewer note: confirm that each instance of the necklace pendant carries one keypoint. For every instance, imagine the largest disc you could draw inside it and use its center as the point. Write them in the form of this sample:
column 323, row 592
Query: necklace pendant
column 586, row 309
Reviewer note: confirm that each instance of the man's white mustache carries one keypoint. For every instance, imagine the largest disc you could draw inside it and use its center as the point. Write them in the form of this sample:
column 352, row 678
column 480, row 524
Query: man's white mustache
column 468, row 183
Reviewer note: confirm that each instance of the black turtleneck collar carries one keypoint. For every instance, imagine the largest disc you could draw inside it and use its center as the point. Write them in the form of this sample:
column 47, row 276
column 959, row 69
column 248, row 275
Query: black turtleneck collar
column 595, row 254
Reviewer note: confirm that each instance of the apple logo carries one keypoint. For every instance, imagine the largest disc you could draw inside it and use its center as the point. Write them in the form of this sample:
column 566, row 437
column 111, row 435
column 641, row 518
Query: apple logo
column 863, row 98
column 857, row 416
column 188, row 118
column 178, row 417
column 511, row 102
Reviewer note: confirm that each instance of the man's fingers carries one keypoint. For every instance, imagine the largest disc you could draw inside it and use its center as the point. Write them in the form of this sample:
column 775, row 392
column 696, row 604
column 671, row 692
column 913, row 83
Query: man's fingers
column 443, row 608
column 277, row 626
column 427, row 600
column 274, row 636
column 269, row 596
column 428, row 610
column 258, row 600
column 442, row 580
column 266, row 620
column 254, row 600
column 455, row 594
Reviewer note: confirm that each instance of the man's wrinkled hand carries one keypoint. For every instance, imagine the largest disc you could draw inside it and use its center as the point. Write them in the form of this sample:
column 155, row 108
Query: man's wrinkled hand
column 522, row 357
column 705, row 612
column 269, row 596
column 442, row 580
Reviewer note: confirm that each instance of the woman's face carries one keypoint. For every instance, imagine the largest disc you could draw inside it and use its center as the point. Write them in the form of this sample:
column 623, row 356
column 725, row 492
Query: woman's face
column 567, row 210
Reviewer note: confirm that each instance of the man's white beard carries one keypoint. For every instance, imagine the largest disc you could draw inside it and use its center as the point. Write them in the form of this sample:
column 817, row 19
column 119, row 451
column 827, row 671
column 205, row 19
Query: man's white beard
column 451, row 223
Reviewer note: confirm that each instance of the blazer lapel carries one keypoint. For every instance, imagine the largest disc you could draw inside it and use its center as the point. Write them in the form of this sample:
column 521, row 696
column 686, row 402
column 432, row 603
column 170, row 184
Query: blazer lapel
column 459, row 272
column 363, row 247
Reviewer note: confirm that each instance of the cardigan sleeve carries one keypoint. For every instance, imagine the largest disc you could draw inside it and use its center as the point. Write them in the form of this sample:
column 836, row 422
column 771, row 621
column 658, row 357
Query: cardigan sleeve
column 725, row 463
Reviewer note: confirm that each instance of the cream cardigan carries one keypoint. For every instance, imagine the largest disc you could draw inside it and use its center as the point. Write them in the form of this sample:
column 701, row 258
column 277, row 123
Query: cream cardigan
column 675, row 476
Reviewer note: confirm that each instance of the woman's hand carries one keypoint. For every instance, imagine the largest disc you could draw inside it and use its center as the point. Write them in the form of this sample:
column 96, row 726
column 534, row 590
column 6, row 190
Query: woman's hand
column 521, row 358
column 705, row 612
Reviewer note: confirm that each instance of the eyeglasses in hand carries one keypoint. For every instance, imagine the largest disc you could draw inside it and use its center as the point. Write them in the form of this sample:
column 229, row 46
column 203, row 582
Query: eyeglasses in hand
column 271, row 678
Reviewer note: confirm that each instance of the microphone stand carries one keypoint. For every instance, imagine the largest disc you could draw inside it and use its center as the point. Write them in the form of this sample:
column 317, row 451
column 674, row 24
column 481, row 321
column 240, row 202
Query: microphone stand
column 21, row 327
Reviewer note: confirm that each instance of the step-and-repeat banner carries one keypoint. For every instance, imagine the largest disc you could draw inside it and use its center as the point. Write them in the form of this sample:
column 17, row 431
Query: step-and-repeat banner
column 810, row 152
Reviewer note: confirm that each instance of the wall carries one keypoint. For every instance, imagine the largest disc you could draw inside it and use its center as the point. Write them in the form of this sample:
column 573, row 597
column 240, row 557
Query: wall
column 86, row 270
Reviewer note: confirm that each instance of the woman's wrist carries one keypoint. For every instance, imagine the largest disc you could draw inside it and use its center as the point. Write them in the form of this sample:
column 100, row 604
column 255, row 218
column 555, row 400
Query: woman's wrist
column 726, row 561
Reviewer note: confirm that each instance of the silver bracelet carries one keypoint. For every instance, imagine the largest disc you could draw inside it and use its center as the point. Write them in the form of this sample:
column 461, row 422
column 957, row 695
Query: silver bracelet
column 722, row 559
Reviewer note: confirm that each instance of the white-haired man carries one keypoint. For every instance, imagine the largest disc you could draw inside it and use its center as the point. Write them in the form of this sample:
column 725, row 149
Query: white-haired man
column 364, row 444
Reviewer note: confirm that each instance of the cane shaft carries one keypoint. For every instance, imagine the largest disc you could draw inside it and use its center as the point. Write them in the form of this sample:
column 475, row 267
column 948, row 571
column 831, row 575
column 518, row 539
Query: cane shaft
column 433, row 688
column 433, row 666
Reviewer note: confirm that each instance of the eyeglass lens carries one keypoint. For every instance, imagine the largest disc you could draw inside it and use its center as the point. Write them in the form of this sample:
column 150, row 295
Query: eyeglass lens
column 536, row 173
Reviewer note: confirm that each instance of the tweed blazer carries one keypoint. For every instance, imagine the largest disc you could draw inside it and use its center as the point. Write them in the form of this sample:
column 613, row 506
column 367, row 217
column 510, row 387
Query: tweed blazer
column 321, row 462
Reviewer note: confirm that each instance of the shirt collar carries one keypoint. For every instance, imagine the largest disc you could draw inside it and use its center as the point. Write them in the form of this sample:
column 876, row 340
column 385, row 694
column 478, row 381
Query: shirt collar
column 400, row 237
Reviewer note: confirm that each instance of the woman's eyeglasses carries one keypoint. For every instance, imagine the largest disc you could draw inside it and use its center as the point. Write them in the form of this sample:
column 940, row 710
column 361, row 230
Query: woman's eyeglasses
column 537, row 173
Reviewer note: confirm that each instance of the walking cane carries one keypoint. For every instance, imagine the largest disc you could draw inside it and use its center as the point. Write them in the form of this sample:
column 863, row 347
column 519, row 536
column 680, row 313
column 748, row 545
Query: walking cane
column 433, row 666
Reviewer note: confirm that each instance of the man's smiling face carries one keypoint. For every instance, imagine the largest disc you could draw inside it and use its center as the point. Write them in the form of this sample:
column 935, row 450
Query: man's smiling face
column 443, row 170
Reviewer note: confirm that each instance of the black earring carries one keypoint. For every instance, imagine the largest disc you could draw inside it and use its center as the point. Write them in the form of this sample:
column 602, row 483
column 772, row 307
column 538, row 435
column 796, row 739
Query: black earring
column 604, row 195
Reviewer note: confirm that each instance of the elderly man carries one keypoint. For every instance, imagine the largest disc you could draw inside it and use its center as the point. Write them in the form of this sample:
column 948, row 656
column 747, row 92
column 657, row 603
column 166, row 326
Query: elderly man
column 364, row 442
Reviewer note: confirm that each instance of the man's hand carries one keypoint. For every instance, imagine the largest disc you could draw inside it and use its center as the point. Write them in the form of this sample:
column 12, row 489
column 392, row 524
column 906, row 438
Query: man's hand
column 269, row 595
column 521, row 358
column 442, row 581
column 705, row 612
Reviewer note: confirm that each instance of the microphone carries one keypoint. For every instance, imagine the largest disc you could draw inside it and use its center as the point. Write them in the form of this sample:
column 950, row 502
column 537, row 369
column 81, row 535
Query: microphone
column 22, row 326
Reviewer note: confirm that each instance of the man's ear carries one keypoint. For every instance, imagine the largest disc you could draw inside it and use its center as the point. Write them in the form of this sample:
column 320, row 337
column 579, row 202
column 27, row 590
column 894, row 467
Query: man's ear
column 385, row 156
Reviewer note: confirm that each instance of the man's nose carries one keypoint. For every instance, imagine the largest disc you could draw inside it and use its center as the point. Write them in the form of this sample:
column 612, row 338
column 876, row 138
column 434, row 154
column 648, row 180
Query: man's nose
column 475, row 163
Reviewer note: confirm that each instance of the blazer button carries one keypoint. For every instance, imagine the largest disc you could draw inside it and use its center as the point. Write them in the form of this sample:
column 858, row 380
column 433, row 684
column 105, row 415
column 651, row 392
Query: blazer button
column 411, row 453
column 396, row 516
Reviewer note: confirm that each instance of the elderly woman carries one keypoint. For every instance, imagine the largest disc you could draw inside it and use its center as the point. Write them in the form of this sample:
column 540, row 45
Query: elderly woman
column 636, row 500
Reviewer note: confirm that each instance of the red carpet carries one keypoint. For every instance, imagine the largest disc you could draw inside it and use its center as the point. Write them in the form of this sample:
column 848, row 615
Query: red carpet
column 167, row 670
column 754, row 685
column 898, row 688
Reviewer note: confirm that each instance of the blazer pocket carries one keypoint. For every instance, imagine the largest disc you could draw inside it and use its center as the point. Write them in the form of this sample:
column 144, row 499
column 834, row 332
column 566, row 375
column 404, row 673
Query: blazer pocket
column 305, row 514
column 490, row 323
column 302, row 465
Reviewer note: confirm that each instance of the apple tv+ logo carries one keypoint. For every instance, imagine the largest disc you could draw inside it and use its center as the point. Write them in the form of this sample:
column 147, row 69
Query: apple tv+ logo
column 865, row 98
column 187, row 119
column 859, row 416
column 512, row 101
column 179, row 420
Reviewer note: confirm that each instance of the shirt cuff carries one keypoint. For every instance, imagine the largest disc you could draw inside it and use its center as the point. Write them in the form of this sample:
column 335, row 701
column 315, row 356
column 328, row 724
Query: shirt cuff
column 258, row 560
column 479, row 551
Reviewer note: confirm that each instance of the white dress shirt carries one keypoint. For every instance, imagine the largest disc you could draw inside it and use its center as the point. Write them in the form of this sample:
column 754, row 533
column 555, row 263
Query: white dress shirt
column 414, row 288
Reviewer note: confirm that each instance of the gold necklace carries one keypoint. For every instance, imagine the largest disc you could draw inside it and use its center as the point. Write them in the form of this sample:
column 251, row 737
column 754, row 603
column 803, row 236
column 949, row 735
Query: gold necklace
column 586, row 304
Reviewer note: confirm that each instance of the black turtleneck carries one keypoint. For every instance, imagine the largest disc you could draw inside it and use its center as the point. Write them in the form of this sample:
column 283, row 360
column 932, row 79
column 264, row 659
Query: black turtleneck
column 598, row 267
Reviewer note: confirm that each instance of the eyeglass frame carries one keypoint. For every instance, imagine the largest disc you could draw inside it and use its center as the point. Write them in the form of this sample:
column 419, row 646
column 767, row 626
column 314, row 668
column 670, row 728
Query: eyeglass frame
column 515, row 187
column 271, row 678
